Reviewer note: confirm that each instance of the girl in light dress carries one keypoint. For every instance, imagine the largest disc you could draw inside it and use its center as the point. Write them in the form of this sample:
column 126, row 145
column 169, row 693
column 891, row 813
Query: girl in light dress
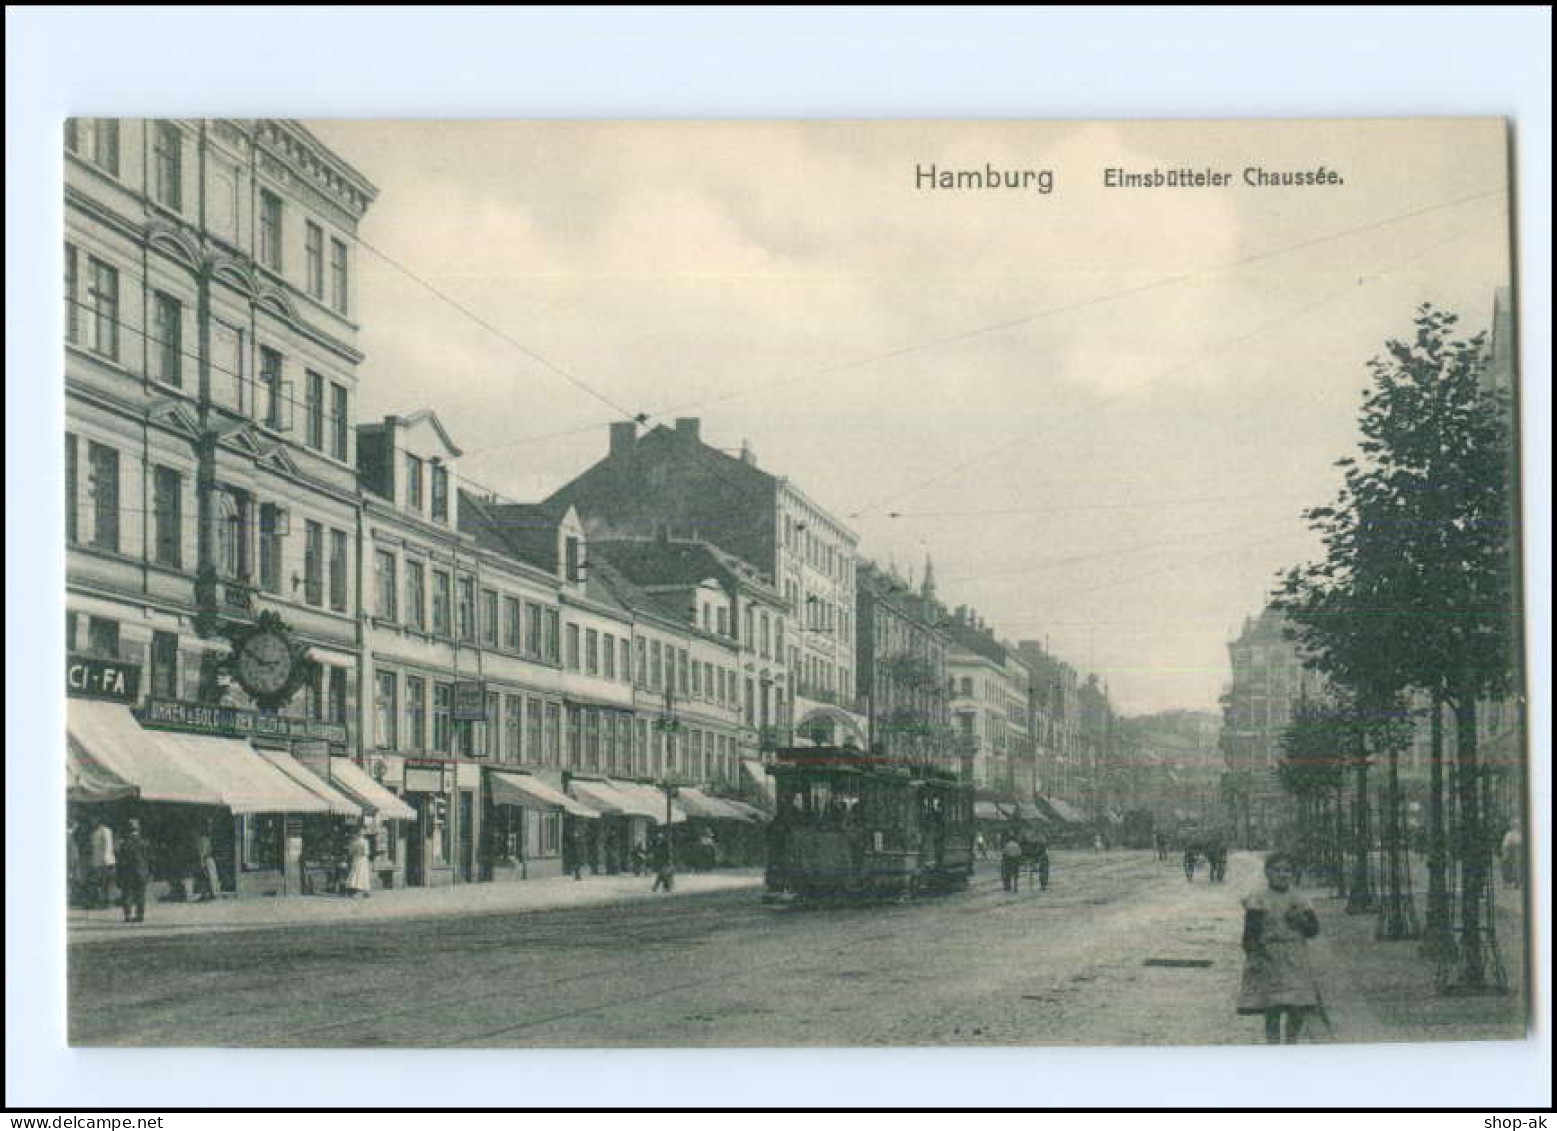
column 359, row 879
column 1278, row 979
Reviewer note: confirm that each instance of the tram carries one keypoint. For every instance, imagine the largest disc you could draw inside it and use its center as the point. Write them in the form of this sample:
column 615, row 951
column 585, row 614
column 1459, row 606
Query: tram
column 850, row 825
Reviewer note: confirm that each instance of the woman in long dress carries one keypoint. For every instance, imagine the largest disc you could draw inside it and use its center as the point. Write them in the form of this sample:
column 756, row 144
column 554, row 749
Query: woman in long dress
column 359, row 880
column 1278, row 980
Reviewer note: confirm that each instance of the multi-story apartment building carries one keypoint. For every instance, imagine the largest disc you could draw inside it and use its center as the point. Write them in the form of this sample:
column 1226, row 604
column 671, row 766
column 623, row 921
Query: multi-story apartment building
column 991, row 687
column 669, row 481
column 1055, row 711
column 210, row 379
column 904, row 671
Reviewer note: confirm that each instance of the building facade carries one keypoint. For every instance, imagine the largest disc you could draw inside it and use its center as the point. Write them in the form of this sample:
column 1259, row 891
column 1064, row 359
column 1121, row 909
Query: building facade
column 904, row 666
column 210, row 386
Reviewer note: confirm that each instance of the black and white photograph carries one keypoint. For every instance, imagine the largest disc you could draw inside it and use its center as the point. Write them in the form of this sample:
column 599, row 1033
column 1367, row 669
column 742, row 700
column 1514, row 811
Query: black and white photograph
column 655, row 603
column 942, row 539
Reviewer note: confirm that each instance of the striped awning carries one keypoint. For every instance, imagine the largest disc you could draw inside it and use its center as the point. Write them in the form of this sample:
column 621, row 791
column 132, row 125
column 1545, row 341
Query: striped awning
column 529, row 792
column 340, row 805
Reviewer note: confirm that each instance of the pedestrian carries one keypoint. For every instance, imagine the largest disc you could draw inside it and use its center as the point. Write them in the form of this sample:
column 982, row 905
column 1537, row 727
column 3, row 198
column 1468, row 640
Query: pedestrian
column 1097, row 843
column 664, row 866
column 1041, row 863
column 72, row 864
column 1216, row 859
column 1010, row 863
column 359, row 877
column 104, row 862
column 1512, row 854
column 207, row 883
column 639, row 859
column 980, row 846
column 1191, row 861
column 133, row 865
column 1278, row 979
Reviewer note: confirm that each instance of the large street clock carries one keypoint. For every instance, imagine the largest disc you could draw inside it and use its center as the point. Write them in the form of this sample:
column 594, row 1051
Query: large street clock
column 267, row 661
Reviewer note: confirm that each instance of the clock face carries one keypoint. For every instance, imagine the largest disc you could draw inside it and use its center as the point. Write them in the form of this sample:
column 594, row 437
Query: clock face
column 264, row 663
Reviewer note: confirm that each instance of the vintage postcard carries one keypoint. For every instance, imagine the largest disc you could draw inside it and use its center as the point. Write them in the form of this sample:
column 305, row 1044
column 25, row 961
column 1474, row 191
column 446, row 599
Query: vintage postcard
column 792, row 583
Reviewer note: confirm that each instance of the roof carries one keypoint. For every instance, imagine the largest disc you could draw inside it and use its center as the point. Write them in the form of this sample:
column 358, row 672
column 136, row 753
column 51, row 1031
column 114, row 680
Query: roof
column 660, row 561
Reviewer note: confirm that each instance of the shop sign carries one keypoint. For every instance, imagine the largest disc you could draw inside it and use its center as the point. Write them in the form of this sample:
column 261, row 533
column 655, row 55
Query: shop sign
column 90, row 678
column 424, row 778
column 470, row 700
column 234, row 722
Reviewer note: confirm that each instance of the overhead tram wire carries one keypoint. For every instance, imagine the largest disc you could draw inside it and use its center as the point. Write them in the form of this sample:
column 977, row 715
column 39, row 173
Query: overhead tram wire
column 980, row 331
column 1285, row 318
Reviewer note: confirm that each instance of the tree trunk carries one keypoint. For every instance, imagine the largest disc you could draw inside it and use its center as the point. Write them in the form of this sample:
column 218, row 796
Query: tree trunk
column 1338, row 842
column 1397, row 919
column 1361, row 901
column 1438, row 938
column 1478, row 967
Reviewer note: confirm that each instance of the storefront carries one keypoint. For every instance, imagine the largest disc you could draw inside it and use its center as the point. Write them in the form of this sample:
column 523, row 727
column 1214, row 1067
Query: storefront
column 526, row 821
column 628, row 810
column 201, row 790
column 387, row 818
column 717, row 833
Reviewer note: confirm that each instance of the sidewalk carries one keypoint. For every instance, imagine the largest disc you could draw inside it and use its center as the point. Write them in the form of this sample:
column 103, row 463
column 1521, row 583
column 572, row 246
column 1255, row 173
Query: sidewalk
column 552, row 893
column 1385, row 991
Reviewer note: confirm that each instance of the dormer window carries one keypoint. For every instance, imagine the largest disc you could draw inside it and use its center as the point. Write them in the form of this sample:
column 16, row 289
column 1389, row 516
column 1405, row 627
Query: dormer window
column 440, row 493
column 574, row 562
column 413, row 483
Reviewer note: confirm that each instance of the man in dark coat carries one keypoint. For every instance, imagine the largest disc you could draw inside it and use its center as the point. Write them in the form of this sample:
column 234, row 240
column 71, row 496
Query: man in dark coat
column 134, row 870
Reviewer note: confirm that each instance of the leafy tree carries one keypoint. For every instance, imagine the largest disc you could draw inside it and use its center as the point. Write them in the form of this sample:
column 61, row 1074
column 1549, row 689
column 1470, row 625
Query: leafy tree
column 1417, row 587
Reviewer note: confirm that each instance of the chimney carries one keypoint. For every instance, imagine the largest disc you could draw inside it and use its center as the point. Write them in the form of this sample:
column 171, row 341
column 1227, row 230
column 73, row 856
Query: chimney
column 747, row 455
column 623, row 435
column 688, row 428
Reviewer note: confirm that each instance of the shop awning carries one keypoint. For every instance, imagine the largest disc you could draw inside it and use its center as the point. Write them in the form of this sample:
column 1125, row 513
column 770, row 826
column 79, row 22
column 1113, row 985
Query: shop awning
column 620, row 799
column 87, row 779
column 530, row 792
column 752, row 813
column 988, row 811
column 1064, row 811
column 105, row 738
column 352, row 780
column 764, row 782
column 243, row 781
column 303, row 776
column 654, row 798
column 1027, row 811
column 700, row 805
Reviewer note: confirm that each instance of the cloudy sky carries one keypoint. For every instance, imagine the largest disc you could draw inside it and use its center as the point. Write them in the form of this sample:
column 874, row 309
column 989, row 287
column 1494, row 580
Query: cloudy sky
column 1100, row 411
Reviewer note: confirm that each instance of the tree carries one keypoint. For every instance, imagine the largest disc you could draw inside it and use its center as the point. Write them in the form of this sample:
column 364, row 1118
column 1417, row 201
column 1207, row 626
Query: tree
column 1417, row 587
column 1312, row 769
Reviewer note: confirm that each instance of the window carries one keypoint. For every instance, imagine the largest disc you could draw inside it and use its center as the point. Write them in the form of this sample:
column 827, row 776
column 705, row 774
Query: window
column 440, row 493
column 103, row 637
column 697, row 680
column 168, row 515
column 385, row 714
column 489, row 617
column 338, row 570
column 682, row 681
column 270, row 385
column 384, row 585
column 572, row 654
column 511, row 623
column 105, row 144
column 592, row 652
column 314, row 255
column 722, row 614
column 72, row 497
column 608, row 655
column 513, row 728
column 655, row 666
column 164, row 664
column 313, row 563
column 416, row 712
column 573, row 561
column 413, row 482
column 104, row 485
column 532, row 740
column 263, row 834
column 168, row 163
column 440, row 608
column 72, row 286
column 553, row 734
column 467, row 608
column 338, row 695
column 643, row 662
column 232, row 534
column 315, row 409
column 339, row 419
column 553, row 634
column 493, row 725
column 416, row 595
column 103, row 307
column 270, row 529
column 338, row 275
column 443, row 699
column 575, row 736
column 751, row 703
column 766, row 646
column 168, row 326
column 592, row 739
column 270, row 230
column 627, row 660
column 532, row 629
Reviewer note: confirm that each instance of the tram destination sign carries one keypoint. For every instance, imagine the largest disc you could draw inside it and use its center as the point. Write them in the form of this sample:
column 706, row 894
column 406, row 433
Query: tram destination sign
column 235, row 722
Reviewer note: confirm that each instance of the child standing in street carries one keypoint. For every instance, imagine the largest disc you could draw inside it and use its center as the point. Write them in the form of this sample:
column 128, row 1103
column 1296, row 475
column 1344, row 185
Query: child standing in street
column 1278, row 980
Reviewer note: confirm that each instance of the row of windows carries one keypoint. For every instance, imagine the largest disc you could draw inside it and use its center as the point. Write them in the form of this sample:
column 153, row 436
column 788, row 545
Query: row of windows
column 538, row 731
column 416, row 498
column 326, row 259
column 437, row 602
column 92, row 320
column 817, row 552
column 764, row 634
